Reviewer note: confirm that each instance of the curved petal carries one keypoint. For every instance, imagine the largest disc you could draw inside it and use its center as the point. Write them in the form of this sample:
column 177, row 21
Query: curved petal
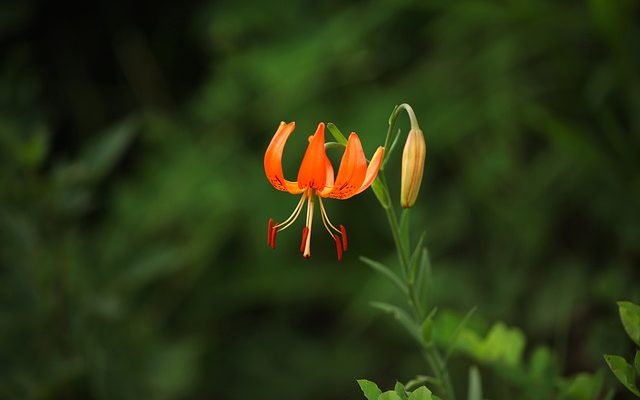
column 353, row 169
column 273, row 160
column 372, row 169
column 313, row 169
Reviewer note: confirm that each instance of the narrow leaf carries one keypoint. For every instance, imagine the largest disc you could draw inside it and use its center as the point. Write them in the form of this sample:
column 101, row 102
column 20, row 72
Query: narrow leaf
column 475, row 384
column 413, row 261
column 458, row 330
column 420, row 379
column 636, row 362
column 421, row 393
column 384, row 270
column 337, row 135
column 624, row 372
column 381, row 194
column 423, row 276
column 630, row 317
column 427, row 326
column 400, row 315
column 370, row 389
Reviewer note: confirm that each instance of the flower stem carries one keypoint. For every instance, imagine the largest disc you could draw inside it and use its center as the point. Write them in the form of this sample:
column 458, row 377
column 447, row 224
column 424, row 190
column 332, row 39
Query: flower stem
column 431, row 352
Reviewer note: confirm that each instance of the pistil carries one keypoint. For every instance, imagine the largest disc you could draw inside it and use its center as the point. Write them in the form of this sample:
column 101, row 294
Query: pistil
column 307, row 236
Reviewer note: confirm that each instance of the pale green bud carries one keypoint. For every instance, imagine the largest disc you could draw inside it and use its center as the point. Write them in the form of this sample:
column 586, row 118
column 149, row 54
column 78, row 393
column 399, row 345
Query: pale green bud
column 413, row 155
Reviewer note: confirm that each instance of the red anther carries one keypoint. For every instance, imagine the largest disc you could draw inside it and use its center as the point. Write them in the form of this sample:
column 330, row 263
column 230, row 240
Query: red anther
column 338, row 246
column 344, row 237
column 305, row 233
column 269, row 229
column 274, row 231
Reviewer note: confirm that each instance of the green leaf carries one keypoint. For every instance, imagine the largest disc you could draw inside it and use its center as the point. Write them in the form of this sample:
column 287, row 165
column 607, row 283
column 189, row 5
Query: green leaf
column 390, row 395
column 35, row 148
column 502, row 345
column 456, row 333
column 630, row 317
column 636, row 362
column 421, row 379
column 427, row 326
column 475, row 384
column 386, row 271
column 370, row 389
column 400, row 390
column 415, row 257
column 102, row 155
column 381, row 194
column 99, row 157
column 421, row 393
column 400, row 315
column 423, row 276
column 624, row 372
column 583, row 386
column 337, row 135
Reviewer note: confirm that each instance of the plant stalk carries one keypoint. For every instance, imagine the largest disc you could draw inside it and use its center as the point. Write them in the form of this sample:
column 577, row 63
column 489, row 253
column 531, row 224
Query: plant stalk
column 431, row 353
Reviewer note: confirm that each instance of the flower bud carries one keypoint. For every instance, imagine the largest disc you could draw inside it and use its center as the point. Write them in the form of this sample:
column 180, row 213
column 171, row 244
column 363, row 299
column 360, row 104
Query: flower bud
column 413, row 155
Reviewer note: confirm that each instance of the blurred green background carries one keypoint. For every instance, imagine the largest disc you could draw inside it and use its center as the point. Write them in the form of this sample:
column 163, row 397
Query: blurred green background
column 133, row 253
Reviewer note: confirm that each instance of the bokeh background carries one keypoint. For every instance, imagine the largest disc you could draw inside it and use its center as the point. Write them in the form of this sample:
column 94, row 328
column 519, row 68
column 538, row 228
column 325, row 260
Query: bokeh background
column 133, row 214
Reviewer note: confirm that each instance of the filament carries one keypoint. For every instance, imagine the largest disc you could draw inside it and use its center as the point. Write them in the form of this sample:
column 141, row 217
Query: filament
column 325, row 217
column 292, row 218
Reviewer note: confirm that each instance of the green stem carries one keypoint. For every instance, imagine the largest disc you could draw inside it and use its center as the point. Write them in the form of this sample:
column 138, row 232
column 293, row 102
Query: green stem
column 432, row 354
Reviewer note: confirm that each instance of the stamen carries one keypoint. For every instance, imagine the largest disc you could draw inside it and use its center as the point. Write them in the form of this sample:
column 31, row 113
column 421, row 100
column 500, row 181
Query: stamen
column 328, row 225
column 269, row 229
column 324, row 222
column 303, row 243
column 343, row 232
column 326, row 216
column 336, row 237
column 274, row 232
column 292, row 218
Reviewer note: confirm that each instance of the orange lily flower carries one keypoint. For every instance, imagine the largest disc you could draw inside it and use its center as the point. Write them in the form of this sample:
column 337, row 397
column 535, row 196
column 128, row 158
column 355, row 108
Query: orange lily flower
column 316, row 179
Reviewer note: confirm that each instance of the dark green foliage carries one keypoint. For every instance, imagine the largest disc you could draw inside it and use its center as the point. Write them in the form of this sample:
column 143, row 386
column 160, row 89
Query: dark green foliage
column 626, row 373
column 133, row 205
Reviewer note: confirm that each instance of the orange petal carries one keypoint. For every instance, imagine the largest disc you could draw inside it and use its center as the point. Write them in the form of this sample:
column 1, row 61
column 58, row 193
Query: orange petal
column 273, row 160
column 313, row 169
column 353, row 169
column 372, row 169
